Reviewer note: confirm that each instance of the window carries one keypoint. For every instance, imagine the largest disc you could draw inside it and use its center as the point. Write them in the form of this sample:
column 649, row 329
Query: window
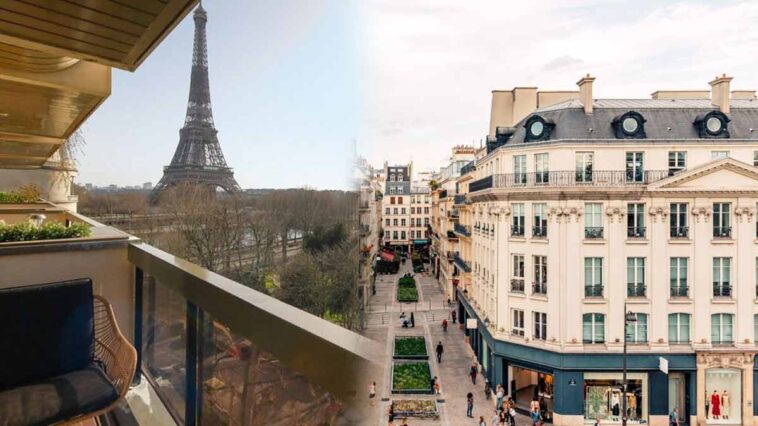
column 755, row 158
column 387, row 210
column 399, row 199
column 717, row 155
column 413, row 210
column 541, row 168
column 392, row 177
column 722, row 227
column 635, row 277
column 593, row 277
column 394, row 235
column 426, row 210
column 721, row 329
column 593, row 220
column 426, row 221
column 678, row 272
column 394, row 222
column 540, row 325
column 394, row 210
column 402, row 235
column 392, row 200
column 540, row 275
column 679, row 328
column 677, row 161
column 387, row 222
column 402, row 211
column 678, row 222
column 519, row 169
column 722, row 267
column 634, row 166
column 635, row 220
column 636, row 331
column 517, row 218
column 517, row 282
column 539, row 228
column 402, row 222
column 517, row 328
column 593, row 328
column 387, row 235
column 584, row 166
column 418, row 221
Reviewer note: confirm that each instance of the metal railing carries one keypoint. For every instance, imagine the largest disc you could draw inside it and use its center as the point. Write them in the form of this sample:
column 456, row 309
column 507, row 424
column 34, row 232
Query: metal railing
column 451, row 235
column 595, row 290
column 680, row 232
column 722, row 290
column 569, row 178
column 192, row 326
column 443, row 193
column 469, row 167
column 635, row 231
column 363, row 205
column 680, row 291
column 539, row 231
column 539, row 287
column 593, row 232
column 453, row 213
column 722, row 232
column 460, row 229
column 459, row 199
column 462, row 264
column 635, row 290
column 517, row 230
column 517, row 285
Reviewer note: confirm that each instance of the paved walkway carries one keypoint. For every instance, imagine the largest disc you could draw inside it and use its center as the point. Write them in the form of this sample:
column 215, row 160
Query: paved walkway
column 383, row 326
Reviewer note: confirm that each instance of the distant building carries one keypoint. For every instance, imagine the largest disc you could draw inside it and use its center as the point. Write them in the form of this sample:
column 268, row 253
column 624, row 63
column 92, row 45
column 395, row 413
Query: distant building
column 147, row 185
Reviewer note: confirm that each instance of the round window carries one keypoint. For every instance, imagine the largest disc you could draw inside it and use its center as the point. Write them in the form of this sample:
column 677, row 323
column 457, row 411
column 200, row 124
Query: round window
column 537, row 128
column 630, row 125
column 713, row 124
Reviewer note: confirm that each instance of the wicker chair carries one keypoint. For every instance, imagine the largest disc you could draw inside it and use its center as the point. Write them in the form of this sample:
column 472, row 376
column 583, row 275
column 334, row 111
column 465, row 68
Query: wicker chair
column 117, row 355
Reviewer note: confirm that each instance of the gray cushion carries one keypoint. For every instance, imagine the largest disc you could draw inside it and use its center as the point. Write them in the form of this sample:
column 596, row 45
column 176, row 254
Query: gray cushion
column 58, row 398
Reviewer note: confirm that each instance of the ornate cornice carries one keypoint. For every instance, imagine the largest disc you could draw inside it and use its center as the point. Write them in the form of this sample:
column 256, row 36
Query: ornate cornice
column 702, row 212
column 725, row 360
column 744, row 213
column 615, row 212
column 658, row 211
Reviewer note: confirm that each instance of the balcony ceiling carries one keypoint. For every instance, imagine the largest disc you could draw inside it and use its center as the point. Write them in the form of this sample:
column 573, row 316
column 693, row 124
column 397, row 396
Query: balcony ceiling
column 55, row 64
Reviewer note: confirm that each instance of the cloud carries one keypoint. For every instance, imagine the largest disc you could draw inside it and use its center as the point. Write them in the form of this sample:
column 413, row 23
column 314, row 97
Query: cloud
column 431, row 65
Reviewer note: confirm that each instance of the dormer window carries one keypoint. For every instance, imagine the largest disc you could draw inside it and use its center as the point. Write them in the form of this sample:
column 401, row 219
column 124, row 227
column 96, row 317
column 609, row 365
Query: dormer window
column 712, row 125
column 630, row 125
column 538, row 129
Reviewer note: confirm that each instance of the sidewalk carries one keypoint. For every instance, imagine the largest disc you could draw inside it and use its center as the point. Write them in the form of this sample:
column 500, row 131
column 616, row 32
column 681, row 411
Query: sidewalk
column 456, row 361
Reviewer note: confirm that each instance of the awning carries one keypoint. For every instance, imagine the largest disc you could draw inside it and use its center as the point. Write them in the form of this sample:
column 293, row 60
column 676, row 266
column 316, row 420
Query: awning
column 389, row 257
column 421, row 241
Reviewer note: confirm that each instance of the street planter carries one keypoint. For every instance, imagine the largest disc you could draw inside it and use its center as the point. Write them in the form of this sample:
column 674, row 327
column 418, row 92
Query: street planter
column 406, row 290
column 420, row 408
column 411, row 377
column 410, row 347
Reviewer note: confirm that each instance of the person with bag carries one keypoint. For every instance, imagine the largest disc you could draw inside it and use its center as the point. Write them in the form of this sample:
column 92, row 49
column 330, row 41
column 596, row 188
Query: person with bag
column 536, row 417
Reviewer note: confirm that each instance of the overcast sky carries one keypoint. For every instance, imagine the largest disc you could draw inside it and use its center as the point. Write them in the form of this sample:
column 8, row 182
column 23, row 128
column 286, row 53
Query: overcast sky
column 286, row 103
column 429, row 66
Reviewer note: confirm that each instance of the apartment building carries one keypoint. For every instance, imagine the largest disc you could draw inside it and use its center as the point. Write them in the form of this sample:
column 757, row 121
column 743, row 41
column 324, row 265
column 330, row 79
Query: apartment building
column 406, row 208
column 598, row 221
column 369, row 212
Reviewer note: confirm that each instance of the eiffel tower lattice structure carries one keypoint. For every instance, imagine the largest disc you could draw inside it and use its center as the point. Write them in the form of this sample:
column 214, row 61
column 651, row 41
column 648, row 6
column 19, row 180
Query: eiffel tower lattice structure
column 198, row 159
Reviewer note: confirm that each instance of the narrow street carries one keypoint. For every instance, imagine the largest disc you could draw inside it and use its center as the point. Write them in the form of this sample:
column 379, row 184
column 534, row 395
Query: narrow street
column 383, row 325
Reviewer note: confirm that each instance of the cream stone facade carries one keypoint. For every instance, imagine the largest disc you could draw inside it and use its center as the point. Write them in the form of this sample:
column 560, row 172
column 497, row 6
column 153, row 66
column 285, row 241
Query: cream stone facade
column 406, row 208
column 585, row 209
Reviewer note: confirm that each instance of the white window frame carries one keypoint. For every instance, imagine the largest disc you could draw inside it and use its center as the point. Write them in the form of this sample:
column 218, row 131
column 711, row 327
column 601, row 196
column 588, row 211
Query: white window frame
column 719, row 335
column 540, row 325
column 595, row 324
column 517, row 322
column 676, row 320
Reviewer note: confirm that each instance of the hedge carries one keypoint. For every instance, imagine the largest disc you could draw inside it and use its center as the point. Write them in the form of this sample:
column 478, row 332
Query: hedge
column 25, row 231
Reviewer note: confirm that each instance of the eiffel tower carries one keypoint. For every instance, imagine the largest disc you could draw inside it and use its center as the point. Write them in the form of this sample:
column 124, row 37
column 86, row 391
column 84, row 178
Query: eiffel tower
column 198, row 158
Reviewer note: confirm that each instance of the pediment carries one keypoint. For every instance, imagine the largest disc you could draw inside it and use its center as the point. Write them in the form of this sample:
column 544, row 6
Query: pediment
column 725, row 175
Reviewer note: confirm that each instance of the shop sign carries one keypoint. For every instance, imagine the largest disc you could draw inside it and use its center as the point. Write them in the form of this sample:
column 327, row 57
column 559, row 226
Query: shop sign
column 572, row 382
column 663, row 365
column 471, row 323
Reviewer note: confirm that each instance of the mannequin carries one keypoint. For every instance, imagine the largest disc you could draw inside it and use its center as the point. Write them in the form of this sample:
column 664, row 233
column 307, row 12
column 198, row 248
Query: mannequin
column 707, row 405
column 716, row 405
column 725, row 403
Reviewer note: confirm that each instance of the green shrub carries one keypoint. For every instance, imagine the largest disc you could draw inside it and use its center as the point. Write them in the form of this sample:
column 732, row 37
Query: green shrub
column 49, row 231
column 411, row 376
column 406, row 281
column 407, row 294
column 25, row 194
column 410, row 346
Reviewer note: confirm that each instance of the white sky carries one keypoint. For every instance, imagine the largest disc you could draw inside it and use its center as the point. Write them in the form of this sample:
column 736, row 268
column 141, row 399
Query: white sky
column 429, row 65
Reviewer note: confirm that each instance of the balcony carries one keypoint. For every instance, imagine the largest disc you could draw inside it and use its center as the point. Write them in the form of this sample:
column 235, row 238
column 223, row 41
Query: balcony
column 681, row 291
column 468, row 168
column 481, row 184
column 539, row 231
column 205, row 343
column 723, row 290
column 517, row 285
column 680, row 232
column 722, row 232
column 517, row 230
column 595, row 290
column 635, row 290
column 459, row 199
column 364, row 230
column 569, row 178
column 635, row 232
column 453, row 214
column 539, row 288
column 363, row 205
column 464, row 230
column 462, row 264
column 593, row 233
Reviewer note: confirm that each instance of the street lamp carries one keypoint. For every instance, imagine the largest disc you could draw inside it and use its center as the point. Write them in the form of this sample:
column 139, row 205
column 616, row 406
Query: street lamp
column 629, row 317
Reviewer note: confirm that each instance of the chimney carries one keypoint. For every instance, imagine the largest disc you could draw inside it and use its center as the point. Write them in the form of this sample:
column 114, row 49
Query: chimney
column 585, row 92
column 720, row 92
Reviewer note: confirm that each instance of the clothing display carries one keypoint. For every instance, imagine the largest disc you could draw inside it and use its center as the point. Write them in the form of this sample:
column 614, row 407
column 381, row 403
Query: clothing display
column 715, row 404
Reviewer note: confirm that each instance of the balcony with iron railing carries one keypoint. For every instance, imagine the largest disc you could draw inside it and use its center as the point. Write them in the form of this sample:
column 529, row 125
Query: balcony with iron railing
column 635, row 231
column 568, row 178
column 635, row 290
column 722, row 290
column 462, row 264
column 679, row 232
column 539, row 287
column 451, row 235
column 206, row 345
column 517, row 230
column 593, row 290
column 460, row 229
column 593, row 232
column 459, row 199
column 539, row 231
column 679, row 291
column 517, row 285
column 722, row 232
column 453, row 214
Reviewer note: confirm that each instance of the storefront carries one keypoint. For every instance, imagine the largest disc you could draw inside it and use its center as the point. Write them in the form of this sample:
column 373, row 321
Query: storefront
column 527, row 385
column 604, row 398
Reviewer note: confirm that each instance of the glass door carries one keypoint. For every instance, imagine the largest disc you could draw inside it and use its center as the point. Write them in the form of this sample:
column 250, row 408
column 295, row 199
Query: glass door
column 676, row 396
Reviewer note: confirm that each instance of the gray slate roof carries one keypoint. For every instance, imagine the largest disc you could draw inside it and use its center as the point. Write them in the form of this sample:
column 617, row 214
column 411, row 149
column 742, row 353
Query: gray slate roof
column 661, row 114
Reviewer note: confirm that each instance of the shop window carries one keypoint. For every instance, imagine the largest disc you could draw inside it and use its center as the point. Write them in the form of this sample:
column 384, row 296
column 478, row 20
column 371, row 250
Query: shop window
column 604, row 400
column 723, row 389
column 593, row 328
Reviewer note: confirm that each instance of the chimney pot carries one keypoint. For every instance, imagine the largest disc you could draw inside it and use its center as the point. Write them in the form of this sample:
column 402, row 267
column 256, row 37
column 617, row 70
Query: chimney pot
column 720, row 95
column 585, row 92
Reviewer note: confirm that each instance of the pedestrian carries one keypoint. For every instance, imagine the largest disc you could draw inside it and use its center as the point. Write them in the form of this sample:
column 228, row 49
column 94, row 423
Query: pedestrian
column 481, row 421
column 597, row 422
column 470, row 405
column 512, row 411
column 674, row 418
column 487, row 389
column 449, row 303
column 495, row 418
column 536, row 418
column 444, row 325
column 472, row 373
column 437, row 387
column 413, row 321
column 439, row 351
column 499, row 394
column 453, row 315
column 502, row 417
column 372, row 390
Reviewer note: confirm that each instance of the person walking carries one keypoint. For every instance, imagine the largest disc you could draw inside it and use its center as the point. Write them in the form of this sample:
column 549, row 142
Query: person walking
column 487, row 389
column 502, row 417
column 453, row 315
column 674, row 418
column 495, row 418
column 536, row 418
column 439, row 351
column 470, row 405
column 499, row 394
column 481, row 421
column 472, row 373
column 444, row 325
column 413, row 321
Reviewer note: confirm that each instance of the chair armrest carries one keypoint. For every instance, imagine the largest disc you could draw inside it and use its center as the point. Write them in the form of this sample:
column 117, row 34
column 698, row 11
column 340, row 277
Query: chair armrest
column 118, row 356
